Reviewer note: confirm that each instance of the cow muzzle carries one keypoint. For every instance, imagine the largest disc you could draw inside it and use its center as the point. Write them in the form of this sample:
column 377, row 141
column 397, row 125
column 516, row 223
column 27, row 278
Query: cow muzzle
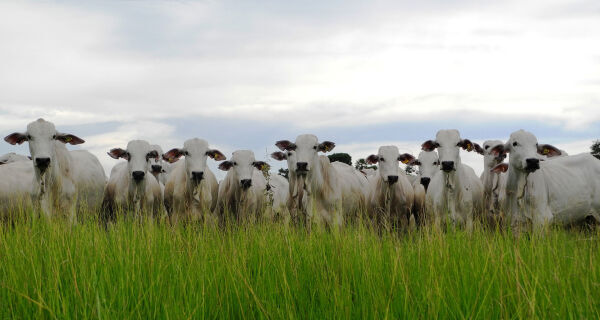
column 197, row 176
column 156, row 168
column 42, row 164
column 425, row 182
column 246, row 183
column 392, row 179
column 138, row 175
column 302, row 167
column 532, row 164
column 448, row 166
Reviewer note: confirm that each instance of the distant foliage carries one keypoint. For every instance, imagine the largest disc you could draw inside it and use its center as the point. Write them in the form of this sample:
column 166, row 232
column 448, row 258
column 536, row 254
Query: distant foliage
column 362, row 164
column 284, row 173
column 596, row 149
column 341, row 157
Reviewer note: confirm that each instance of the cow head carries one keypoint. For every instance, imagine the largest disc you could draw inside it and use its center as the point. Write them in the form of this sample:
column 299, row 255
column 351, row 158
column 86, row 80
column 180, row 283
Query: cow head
column 156, row 165
column 429, row 165
column 196, row 152
column 525, row 152
column 289, row 155
column 490, row 159
column 138, row 155
column 242, row 166
column 448, row 144
column 388, row 158
column 306, row 150
column 42, row 136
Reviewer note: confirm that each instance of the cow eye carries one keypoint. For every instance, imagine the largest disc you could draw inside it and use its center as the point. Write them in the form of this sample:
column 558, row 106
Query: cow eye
column 29, row 137
column 515, row 144
column 54, row 137
column 381, row 159
column 235, row 163
column 185, row 153
column 487, row 147
column 315, row 147
column 289, row 153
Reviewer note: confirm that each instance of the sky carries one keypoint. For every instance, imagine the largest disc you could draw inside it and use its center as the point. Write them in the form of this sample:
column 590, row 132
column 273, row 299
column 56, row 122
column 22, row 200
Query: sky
column 244, row 74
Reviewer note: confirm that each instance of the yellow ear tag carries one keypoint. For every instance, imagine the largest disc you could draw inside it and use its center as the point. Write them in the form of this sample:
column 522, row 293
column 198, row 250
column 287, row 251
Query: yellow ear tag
column 68, row 139
column 546, row 151
column 469, row 147
column 405, row 161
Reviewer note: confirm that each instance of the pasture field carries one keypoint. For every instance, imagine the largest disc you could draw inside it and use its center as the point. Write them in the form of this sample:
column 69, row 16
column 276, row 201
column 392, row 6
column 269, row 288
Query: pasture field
column 149, row 270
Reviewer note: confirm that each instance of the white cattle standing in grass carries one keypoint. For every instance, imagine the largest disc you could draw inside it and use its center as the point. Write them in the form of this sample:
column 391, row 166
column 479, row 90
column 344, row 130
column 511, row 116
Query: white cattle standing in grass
column 279, row 191
column 16, row 184
column 494, row 183
column 391, row 193
column 318, row 188
column 192, row 190
column 456, row 190
column 12, row 157
column 243, row 191
column 65, row 181
column 130, row 187
column 428, row 163
column 159, row 167
column 565, row 190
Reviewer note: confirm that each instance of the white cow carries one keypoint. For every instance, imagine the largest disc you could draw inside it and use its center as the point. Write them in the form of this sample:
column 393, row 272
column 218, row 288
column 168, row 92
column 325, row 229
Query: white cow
column 16, row 184
column 12, row 157
column 130, row 186
column 494, row 183
column 159, row 167
column 243, row 191
column 319, row 188
column 428, row 163
column 279, row 193
column 192, row 190
column 65, row 181
column 391, row 193
column 457, row 190
column 565, row 190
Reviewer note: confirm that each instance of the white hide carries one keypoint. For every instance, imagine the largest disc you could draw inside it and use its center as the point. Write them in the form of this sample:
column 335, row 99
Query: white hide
column 16, row 185
column 12, row 157
column 494, row 183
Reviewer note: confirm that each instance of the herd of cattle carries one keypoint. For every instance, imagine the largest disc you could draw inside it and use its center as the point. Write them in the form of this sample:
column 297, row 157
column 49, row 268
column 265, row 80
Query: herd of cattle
column 539, row 185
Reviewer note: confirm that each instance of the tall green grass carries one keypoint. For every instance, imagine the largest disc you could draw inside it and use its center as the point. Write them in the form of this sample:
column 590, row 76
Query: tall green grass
column 149, row 270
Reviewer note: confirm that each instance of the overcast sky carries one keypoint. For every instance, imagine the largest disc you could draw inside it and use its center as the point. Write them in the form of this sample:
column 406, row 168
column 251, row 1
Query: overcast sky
column 243, row 74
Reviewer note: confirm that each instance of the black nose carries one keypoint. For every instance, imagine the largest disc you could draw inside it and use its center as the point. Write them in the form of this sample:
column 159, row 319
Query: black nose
column 197, row 176
column 156, row 168
column 447, row 165
column 532, row 164
column 42, row 163
column 392, row 179
column 138, row 175
column 302, row 166
column 425, row 182
column 246, row 183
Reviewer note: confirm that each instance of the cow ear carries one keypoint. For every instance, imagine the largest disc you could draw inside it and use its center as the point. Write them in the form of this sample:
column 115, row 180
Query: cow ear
column 372, row 159
column 279, row 156
column 548, row 150
column 466, row 144
column 173, row 155
column 152, row 154
column 261, row 165
column 225, row 165
column 429, row 145
column 285, row 145
column 503, row 167
column 499, row 151
column 117, row 153
column 16, row 138
column 69, row 138
column 406, row 158
column 326, row 146
column 216, row 155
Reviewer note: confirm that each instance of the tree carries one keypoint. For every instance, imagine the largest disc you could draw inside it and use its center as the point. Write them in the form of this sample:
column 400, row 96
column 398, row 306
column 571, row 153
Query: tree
column 284, row 173
column 362, row 164
column 341, row 157
column 596, row 149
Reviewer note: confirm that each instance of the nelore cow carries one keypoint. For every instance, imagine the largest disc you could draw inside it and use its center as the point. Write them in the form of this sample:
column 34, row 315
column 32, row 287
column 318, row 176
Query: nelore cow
column 391, row 193
column 158, row 167
column 16, row 185
column 320, row 191
column 243, row 191
column 428, row 164
column 12, row 157
column 564, row 190
column 131, row 188
column 279, row 195
column 456, row 190
column 494, row 182
column 65, row 181
column 191, row 192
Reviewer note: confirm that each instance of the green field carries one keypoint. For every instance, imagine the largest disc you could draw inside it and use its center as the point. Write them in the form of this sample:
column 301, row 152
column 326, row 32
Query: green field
column 50, row 270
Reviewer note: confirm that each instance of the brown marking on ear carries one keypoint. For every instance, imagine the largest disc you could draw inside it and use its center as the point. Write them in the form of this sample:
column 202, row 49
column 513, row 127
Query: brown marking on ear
column 117, row 153
column 478, row 148
column 69, row 138
column 469, row 146
column 225, row 165
column 173, row 155
column 16, row 138
column 261, row 165
column 503, row 167
column 279, row 156
column 429, row 145
column 548, row 150
column 216, row 155
column 372, row 159
column 498, row 151
column 406, row 158
column 326, row 146
column 285, row 145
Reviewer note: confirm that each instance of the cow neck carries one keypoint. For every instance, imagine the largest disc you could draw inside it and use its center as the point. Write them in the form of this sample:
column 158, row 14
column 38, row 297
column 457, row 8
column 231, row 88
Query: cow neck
column 51, row 181
column 517, row 184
